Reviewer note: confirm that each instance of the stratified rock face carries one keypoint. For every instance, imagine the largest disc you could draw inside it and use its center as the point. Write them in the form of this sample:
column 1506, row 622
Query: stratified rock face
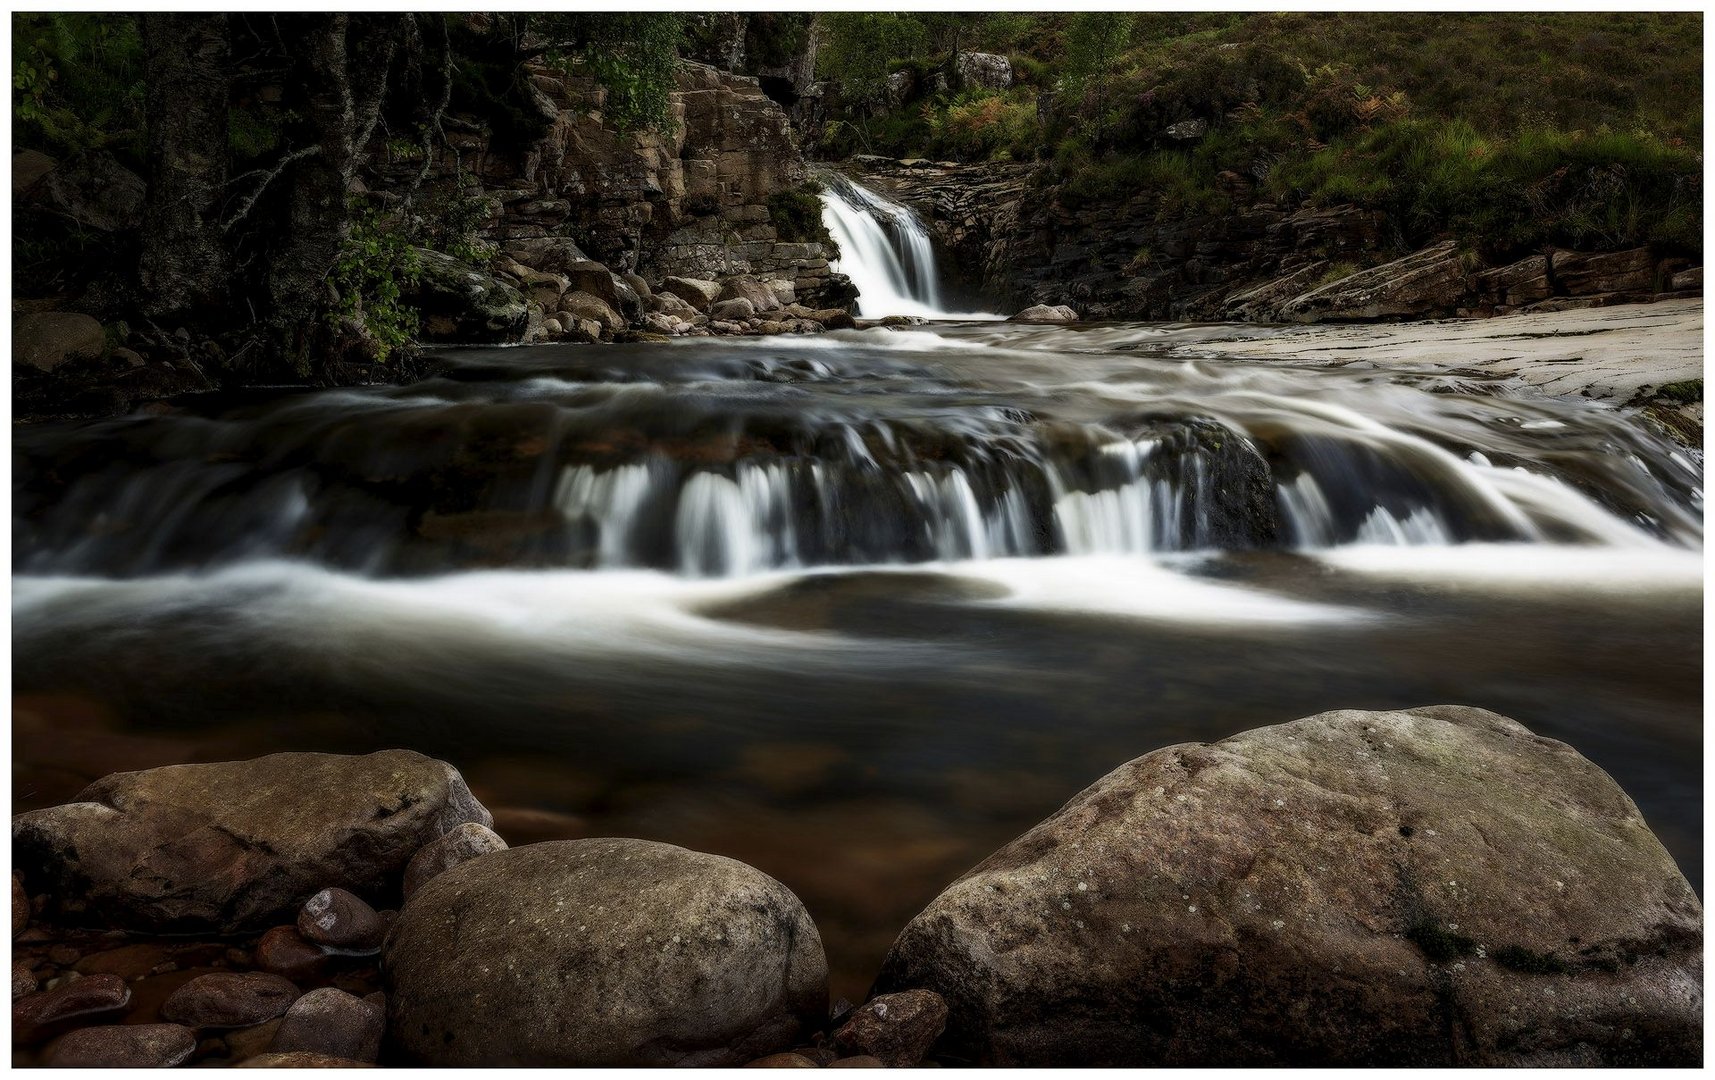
column 1431, row 281
column 238, row 845
column 1435, row 886
column 601, row 952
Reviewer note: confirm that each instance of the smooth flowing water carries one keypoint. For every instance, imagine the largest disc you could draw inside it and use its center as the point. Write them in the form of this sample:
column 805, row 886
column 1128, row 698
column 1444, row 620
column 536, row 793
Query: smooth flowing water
column 887, row 252
column 855, row 607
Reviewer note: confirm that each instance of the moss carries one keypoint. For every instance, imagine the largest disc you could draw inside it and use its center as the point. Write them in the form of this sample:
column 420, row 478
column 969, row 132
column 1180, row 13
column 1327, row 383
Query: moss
column 797, row 215
column 1686, row 392
column 1529, row 961
column 1437, row 942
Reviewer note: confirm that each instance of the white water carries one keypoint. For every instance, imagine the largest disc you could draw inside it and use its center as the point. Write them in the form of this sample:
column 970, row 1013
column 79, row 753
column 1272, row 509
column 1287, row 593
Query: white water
column 887, row 253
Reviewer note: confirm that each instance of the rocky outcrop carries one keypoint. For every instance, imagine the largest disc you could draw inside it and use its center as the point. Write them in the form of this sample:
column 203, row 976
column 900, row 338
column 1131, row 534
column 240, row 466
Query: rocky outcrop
column 1024, row 240
column 48, row 339
column 983, row 71
column 601, row 952
column 460, row 303
column 237, row 845
column 1042, row 313
column 1433, row 886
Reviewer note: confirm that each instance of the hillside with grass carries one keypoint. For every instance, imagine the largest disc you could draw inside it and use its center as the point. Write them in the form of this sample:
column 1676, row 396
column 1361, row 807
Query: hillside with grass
column 1505, row 132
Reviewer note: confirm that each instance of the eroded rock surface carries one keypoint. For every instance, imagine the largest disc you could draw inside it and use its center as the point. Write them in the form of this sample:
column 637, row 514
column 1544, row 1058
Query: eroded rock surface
column 238, row 845
column 1433, row 886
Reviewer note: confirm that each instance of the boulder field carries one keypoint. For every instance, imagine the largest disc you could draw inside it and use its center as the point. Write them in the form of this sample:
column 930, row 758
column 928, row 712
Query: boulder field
column 1431, row 886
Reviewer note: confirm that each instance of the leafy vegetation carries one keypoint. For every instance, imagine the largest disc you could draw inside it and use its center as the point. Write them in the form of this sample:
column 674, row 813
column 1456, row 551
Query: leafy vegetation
column 375, row 266
column 1508, row 131
column 77, row 83
column 797, row 215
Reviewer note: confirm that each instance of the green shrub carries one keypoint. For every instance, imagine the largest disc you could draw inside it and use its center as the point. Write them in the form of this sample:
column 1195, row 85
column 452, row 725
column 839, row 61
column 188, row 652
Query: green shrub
column 797, row 215
column 374, row 267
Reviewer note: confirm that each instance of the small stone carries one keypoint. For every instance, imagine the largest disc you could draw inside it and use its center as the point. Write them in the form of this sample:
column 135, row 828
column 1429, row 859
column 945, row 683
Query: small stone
column 467, row 842
column 862, row 1061
column 341, row 920
column 301, row 1059
column 284, row 951
column 783, row 1061
column 63, row 956
column 332, row 1022
column 125, row 1046
column 35, row 1015
column 20, row 906
column 23, row 979
column 897, row 1028
column 227, row 1000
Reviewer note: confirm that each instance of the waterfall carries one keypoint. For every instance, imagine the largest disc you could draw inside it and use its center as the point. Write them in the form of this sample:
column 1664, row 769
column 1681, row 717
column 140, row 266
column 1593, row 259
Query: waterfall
column 887, row 253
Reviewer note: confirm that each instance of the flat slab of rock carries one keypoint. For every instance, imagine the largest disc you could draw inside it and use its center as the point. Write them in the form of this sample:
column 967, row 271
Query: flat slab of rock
column 1433, row 886
column 602, row 952
column 125, row 1046
column 36, row 1016
column 238, row 845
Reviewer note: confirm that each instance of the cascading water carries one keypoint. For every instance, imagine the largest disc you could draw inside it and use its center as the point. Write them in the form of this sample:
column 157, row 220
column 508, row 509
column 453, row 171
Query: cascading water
column 887, row 253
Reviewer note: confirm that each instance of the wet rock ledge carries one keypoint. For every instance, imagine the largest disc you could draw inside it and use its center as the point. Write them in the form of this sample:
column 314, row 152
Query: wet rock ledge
column 1433, row 886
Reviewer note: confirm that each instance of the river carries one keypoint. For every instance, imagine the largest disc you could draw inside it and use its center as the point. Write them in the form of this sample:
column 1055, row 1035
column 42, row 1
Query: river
column 855, row 607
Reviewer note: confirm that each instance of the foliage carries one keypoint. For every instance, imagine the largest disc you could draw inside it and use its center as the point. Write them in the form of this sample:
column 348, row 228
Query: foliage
column 77, row 83
column 633, row 55
column 985, row 126
column 859, row 51
column 797, row 215
column 374, row 267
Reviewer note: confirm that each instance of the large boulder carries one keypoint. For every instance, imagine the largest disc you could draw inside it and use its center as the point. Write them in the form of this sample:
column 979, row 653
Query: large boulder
column 238, row 845
column 460, row 303
column 601, row 952
column 761, row 294
column 552, row 254
column 694, row 291
column 48, row 339
column 584, row 306
column 1433, row 281
column 598, row 281
column 1044, row 313
column 983, row 71
column 1434, row 886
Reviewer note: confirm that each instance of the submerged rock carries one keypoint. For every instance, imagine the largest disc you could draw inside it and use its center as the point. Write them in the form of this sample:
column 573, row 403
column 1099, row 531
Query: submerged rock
column 238, row 845
column 602, row 952
column 1434, row 886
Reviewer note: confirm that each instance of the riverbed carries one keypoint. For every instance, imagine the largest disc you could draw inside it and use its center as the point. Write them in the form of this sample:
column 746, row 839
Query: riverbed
column 857, row 607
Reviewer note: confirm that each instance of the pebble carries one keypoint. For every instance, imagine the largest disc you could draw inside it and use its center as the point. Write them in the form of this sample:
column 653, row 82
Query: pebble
column 125, row 1046
column 341, row 920
column 301, row 1059
column 334, row 1023
column 226, row 999
column 248, row 1042
column 783, row 1061
column 862, row 1061
column 63, row 956
column 20, row 906
column 468, row 841
column 897, row 1028
column 23, row 979
column 35, row 1015
column 283, row 951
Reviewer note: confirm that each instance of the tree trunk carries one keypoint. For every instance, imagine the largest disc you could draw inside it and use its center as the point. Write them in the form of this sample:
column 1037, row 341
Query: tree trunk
column 342, row 61
column 184, row 270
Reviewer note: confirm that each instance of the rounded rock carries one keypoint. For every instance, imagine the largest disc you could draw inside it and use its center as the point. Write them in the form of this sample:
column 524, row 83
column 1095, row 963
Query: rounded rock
column 23, row 979
column 229, row 999
column 125, row 1046
column 602, row 952
column 301, row 1059
column 782, row 1061
column 20, row 906
column 1430, row 886
column 332, row 1022
column 468, row 841
column 861, row 1061
column 341, row 920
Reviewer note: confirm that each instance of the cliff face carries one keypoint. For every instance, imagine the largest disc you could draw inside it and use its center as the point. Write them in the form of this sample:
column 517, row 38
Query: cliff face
column 697, row 202
column 1022, row 242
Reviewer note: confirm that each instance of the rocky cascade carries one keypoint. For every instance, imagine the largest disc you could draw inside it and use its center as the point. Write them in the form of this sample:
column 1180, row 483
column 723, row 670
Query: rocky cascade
column 1436, row 886
column 1023, row 241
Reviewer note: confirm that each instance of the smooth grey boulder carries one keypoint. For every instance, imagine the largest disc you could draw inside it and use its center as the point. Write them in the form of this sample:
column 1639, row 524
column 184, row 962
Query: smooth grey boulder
column 694, row 291
column 50, row 338
column 761, row 294
column 460, row 303
column 601, row 952
column 1043, row 313
column 1433, row 886
column 238, row 845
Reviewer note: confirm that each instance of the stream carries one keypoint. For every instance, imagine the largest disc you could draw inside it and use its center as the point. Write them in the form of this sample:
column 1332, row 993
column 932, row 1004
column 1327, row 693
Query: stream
column 857, row 607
